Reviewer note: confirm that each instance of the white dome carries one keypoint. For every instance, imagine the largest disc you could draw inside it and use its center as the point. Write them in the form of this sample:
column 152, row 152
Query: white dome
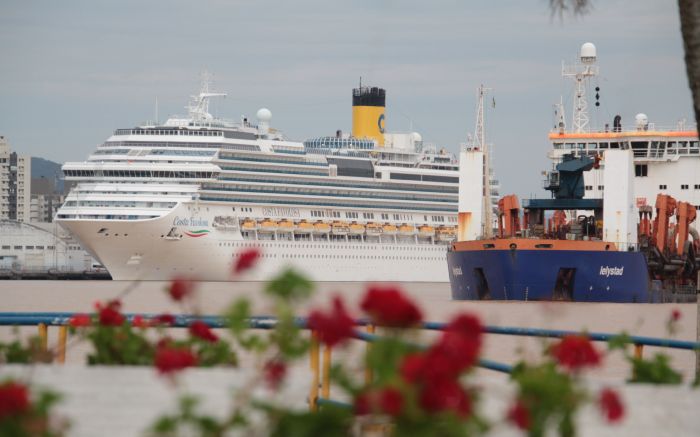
column 641, row 120
column 588, row 52
column 264, row 114
column 416, row 137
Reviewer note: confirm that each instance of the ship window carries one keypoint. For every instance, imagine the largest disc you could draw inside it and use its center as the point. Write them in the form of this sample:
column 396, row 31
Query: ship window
column 614, row 145
column 641, row 170
column 18, row 247
column 684, row 186
column 5, row 247
column 589, row 187
column 697, row 187
column 604, row 145
column 600, row 188
column 592, row 145
column 662, row 187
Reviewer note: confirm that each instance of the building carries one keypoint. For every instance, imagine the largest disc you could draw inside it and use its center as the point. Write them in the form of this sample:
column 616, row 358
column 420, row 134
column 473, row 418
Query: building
column 15, row 184
column 45, row 201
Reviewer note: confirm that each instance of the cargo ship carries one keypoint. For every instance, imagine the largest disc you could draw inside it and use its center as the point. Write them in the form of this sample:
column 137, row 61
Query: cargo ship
column 581, row 244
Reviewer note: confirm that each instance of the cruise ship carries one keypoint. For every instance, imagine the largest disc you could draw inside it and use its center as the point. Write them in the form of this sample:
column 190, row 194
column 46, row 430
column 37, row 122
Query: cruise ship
column 183, row 197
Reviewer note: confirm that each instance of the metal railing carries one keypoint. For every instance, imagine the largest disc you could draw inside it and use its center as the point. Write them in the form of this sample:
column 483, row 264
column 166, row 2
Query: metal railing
column 321, row 358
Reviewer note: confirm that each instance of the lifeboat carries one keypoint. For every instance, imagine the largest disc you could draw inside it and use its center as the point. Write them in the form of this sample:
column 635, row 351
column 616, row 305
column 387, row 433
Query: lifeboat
column 321, row 227
column 407, row 230
column 389, row 229
column 446, row 233
column 285, row 225
column 267, row 225
column 356, row 228
column 373, row 229
column 426, row 231
column 340, row 228
column 304, row 227
column 249, row 225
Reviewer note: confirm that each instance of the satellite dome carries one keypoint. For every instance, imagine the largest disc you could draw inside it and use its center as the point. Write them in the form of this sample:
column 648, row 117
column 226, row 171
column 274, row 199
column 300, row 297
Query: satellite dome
column 264, row 114
column 588, row 52
column 416, row 137
column 641, row 121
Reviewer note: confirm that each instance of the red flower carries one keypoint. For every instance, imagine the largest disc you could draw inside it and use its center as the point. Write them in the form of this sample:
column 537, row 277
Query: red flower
column 180, row 289
column 246, row 259
column 445, row 395
column 675, row 315
column 164, row 319
column 461, row 342
column 109, row 314
column 201, row 330
column 387, row 400
column 412, row 367
column 391, row 401
column 275, row 371
column 172, row 359
column 519, row 415
column 14, row 399
column 333, row 327
column 80, row 320
column 139, row 322
column 575, row 352
column 611, row 406
column 390, row 307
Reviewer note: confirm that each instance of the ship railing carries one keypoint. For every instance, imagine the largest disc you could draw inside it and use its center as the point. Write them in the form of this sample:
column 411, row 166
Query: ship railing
column 681, row 126
column 321, row 360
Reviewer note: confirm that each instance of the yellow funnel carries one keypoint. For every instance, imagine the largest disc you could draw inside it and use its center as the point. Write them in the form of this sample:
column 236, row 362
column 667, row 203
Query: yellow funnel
column 368, row 113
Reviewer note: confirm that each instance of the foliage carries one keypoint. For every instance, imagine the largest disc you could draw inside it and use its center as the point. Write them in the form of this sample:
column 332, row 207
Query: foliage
column 27, row 414
column 18, row 352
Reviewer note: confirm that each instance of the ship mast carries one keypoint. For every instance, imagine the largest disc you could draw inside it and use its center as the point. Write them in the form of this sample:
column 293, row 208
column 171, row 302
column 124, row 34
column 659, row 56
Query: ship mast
column 580, row 72
column 480, row 143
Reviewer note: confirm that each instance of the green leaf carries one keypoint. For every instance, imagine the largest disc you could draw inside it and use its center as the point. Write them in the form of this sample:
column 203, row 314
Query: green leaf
column 655, row 371
column 619, row 342
column 289, row 286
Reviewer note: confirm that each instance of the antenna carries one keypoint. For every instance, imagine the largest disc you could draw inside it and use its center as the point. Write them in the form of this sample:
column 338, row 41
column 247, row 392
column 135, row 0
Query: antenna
column 581, row 72
column 199, row 107
column 479, row 141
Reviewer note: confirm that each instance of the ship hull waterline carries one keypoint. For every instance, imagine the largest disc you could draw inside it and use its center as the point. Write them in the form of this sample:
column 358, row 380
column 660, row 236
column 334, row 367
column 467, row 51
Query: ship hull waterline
column 594, row 276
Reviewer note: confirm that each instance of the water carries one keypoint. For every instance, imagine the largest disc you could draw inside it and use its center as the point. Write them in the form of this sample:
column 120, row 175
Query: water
column 434, row 298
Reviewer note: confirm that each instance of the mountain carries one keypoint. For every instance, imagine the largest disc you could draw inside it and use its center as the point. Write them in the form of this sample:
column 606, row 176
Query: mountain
column 43, row 168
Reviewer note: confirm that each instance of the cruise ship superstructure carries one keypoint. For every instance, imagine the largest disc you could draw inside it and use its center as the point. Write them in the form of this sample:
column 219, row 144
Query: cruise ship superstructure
column 183, row 197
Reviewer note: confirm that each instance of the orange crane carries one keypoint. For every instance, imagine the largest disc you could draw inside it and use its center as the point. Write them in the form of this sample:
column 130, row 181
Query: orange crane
column 508, row 216
column 685, row 215
column 665, row 208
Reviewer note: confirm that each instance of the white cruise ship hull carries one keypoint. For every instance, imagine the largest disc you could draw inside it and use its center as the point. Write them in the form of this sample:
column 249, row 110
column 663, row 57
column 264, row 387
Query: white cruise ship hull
column 142, row 250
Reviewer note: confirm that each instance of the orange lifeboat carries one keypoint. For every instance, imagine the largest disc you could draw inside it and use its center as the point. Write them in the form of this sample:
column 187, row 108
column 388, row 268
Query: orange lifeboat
column 321, row 227
column 446, row 233
column 304, row 227
column 340, row 228
column 249, row 225
column 267, row 225
column 389, row 229
column 426, row 231
column 373, row 229
column 356, row 228
column 285, row 225
column 407, row 230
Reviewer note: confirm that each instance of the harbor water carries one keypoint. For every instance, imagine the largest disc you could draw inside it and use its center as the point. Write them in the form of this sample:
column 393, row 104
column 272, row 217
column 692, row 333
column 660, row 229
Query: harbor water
column 214, row 297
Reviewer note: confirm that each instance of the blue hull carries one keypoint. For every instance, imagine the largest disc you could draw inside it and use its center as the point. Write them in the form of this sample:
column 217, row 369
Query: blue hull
column 580, row 276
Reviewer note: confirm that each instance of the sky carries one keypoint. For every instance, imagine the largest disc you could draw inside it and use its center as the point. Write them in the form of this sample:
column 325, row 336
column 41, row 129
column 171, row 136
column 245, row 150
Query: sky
column 73, row 72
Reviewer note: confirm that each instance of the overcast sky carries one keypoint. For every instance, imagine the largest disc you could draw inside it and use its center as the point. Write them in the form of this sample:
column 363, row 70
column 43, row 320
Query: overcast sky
column 72, row 72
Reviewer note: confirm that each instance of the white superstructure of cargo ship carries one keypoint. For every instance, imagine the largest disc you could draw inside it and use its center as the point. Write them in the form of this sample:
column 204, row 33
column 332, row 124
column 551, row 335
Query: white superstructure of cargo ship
column 666, row 158
column 183, row 197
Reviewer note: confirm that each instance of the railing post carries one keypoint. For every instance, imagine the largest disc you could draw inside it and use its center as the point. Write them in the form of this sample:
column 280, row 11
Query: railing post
column 638, row 351
column 43, row 336
column 369, row 374
column 326, row 373
column 62, row 339
column 314, row 358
